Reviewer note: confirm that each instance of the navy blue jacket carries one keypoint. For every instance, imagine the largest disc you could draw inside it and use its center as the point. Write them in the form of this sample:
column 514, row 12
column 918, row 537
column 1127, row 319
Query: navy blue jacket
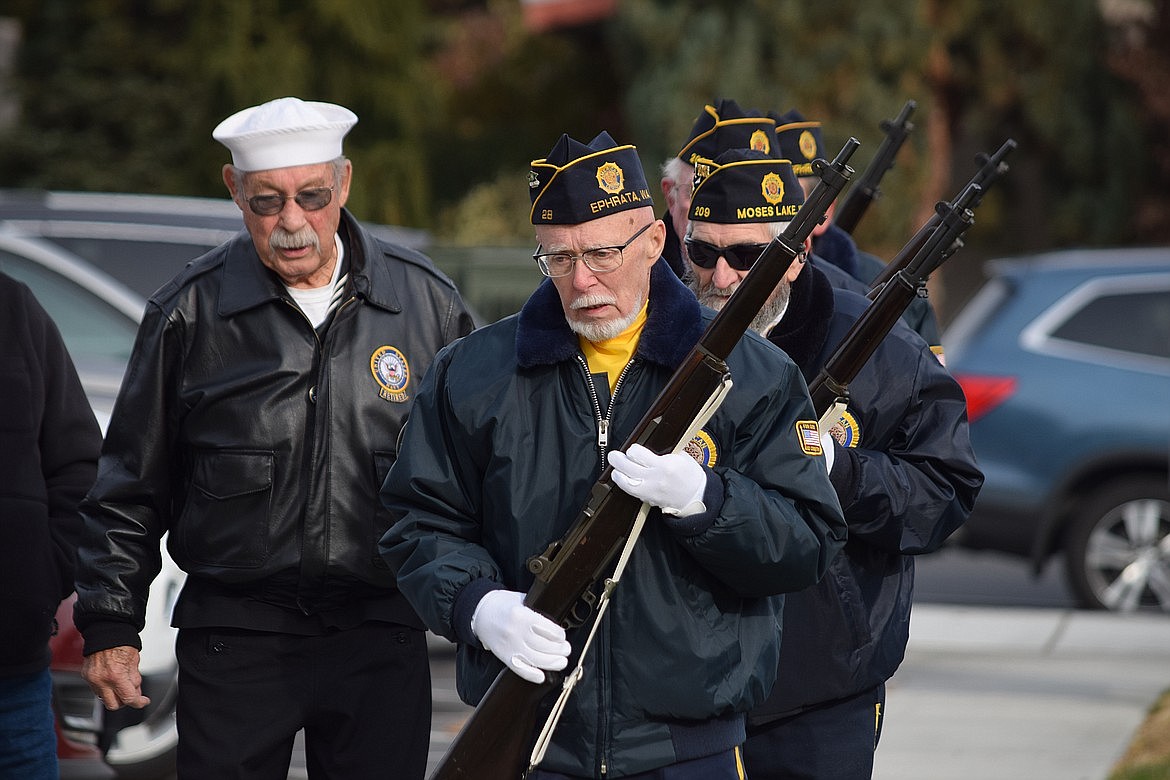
column 499, row 456
column 906, row 477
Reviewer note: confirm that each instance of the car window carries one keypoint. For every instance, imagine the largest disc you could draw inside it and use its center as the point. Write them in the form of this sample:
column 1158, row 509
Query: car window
column 1137, row 322
column 980, row 310
column 91, row 327
column 143, row 266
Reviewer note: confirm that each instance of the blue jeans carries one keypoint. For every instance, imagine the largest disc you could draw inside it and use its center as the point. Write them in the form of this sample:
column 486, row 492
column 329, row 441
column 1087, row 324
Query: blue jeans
column 28, row 742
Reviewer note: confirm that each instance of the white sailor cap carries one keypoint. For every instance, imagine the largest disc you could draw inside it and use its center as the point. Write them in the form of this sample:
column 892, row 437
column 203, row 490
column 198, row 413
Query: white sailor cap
column 283, row 133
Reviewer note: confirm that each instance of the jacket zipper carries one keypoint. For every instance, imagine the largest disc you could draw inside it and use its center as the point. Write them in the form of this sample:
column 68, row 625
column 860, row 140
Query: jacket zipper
column 603, row 423
column 603, row 420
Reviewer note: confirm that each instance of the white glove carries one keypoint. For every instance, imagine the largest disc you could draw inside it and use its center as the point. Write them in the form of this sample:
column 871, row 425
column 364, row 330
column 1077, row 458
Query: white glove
column 674, row 482
column 525, row 640
column 827, row 444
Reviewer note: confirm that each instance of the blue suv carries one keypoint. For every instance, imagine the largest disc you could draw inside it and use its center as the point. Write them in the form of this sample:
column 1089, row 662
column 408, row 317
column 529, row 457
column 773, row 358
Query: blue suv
column 1065, row 360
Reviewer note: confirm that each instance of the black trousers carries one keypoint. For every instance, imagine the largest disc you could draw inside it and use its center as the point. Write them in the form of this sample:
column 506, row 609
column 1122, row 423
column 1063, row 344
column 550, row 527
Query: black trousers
column 832, row 742
column 362, row 696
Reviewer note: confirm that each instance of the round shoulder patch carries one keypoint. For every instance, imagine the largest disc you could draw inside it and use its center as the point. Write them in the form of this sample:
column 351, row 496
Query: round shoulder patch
column 391, row 372
column 847, row 431
column 702, row 448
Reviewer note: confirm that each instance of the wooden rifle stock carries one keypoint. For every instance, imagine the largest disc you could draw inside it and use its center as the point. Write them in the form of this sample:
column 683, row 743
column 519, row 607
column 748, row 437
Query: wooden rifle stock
column 991, row 168
column 495, row 742
column 832, row 383
column 866, row 190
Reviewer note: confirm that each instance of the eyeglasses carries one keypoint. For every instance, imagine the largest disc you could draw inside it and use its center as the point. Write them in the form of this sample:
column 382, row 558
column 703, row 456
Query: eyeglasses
column 601, row 260
column 741, row 257
column 313, row 199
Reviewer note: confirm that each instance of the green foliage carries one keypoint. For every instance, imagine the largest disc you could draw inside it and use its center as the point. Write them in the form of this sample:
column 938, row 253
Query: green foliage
column 123, row 94
column 979, row 71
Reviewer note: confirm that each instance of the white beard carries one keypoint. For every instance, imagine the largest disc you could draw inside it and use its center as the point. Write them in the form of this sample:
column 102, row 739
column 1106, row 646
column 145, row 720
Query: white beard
column 770, row 313
column 596, row 331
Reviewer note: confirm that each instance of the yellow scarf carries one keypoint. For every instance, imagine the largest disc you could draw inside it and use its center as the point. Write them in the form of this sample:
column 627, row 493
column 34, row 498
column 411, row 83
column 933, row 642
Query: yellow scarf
column 610, row 356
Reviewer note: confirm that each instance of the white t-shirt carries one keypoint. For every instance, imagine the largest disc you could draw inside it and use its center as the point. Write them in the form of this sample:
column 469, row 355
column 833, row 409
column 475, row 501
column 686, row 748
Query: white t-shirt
column 316, row 302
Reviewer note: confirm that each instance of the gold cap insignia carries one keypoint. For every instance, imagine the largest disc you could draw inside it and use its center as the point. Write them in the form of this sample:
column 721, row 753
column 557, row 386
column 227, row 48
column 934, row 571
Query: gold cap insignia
column 772, row 187
column 760, row 142
column 610, row 178
column 808, row 144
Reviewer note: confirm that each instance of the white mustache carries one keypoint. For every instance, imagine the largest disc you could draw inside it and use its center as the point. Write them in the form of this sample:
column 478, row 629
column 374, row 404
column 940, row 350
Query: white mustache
column 283, row 239
column 595, row 299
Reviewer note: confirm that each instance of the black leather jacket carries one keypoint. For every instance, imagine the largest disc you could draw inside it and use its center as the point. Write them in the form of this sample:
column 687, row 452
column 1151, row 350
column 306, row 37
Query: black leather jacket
column 260, row 444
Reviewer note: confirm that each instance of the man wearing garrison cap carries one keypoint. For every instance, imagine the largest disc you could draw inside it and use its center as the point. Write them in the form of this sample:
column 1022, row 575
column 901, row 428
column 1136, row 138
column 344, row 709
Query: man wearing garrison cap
column 900, row 462
column 266, row 391
column 724, row 125
column 512, row 429
column 801, row 141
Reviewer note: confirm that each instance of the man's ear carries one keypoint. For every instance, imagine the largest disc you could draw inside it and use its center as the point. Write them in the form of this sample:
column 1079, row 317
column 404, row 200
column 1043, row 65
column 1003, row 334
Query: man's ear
column 667, row 190
column 229, row 180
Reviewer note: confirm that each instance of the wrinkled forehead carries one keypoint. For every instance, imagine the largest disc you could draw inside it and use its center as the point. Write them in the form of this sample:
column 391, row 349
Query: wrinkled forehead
column 292, row 178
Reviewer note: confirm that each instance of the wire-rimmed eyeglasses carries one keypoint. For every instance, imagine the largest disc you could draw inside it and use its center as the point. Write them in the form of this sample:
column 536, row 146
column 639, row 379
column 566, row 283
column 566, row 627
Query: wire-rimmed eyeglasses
column 601, row 260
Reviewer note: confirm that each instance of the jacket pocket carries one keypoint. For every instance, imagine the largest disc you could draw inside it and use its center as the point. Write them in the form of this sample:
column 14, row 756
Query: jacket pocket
column 226, row 518
column 382, row 520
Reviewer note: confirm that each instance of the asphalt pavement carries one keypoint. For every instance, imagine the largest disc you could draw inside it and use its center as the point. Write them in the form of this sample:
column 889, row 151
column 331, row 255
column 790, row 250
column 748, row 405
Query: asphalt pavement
column 1004, row 693
column 1003, row 679
column 994, row 693
column 999, row 692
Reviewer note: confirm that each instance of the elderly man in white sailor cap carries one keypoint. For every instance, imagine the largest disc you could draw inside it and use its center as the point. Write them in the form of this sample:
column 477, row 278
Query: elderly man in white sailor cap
column 258, row 418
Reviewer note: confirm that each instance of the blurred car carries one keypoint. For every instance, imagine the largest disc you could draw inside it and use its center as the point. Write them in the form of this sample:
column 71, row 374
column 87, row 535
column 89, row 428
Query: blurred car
column 1065, row 361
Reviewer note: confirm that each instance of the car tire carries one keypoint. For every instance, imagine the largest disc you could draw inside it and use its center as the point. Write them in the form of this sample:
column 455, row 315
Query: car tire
column 1117, row 551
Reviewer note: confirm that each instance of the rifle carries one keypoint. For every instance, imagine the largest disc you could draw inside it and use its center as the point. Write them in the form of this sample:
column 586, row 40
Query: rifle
column 830, row 388
column 991, row 168
column 866, row 190
column 495, row 741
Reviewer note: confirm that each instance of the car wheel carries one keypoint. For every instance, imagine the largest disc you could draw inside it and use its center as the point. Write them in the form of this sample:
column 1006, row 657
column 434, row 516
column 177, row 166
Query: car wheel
column 1118, row 547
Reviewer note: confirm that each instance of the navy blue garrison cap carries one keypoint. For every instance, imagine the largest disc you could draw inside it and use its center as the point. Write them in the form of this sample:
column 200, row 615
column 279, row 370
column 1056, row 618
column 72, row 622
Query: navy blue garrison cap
column 726, row 126
column 747, row 186
column 579, row 182
column 800, row 141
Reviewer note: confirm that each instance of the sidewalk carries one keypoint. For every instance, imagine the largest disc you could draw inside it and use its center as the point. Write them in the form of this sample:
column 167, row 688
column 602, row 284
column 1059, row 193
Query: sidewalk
column 1020, row 693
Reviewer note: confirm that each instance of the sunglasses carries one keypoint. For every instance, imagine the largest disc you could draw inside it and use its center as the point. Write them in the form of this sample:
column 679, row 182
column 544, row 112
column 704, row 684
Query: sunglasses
column 741, row 257
column 313, row 199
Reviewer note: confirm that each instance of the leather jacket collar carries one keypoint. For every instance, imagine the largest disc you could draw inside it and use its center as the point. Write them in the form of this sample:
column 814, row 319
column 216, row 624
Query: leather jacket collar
column 248, row 283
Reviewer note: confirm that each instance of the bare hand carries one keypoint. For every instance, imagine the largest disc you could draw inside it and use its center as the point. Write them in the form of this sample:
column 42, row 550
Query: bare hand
column 113, row 675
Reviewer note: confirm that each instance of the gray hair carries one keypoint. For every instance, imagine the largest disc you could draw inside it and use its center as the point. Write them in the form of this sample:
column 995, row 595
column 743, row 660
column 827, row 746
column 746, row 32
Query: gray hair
column 678, row 171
